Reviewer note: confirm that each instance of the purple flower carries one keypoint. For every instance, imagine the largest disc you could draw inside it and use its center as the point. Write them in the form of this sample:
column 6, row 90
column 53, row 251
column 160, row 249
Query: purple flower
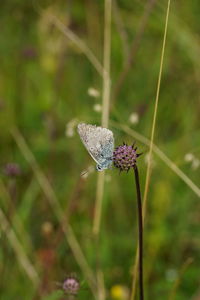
column 29, row 52
column 71, row 285
column 12, row 170
column 124, row 157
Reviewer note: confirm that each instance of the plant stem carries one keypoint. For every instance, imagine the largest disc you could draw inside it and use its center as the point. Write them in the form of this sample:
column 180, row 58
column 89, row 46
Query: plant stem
column 147, row 181
column 105, row 108
column 140, row 233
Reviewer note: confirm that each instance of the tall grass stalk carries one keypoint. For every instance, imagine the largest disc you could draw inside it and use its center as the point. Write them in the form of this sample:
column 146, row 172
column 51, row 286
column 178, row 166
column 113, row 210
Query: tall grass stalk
column 151, row 142
column 19, row 250
column 105, row 107
column 104, row 123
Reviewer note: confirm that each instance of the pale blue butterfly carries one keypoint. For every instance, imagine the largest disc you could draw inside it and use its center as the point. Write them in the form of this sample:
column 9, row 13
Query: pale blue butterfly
column 99, row 142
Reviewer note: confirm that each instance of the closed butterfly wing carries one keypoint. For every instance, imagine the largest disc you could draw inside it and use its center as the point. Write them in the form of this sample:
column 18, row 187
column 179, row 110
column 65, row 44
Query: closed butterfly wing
column 99, row 142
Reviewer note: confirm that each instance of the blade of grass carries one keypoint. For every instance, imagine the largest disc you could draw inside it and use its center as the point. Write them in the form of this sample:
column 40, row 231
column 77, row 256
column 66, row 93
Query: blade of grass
column 161, row 155
column 122, row 32
column 16, row 221
column 152, row 140
column 133, row 49
column 54, row 203
column 27, row 203
column 79, row 43
column 104, row 123
column 105, row 108
column 177, row 282
column 73, row 38
column 19, row 250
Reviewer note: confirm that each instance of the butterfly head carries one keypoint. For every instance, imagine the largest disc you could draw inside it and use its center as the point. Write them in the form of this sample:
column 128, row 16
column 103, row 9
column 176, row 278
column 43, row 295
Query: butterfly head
column 106, row 164
column 99, row 168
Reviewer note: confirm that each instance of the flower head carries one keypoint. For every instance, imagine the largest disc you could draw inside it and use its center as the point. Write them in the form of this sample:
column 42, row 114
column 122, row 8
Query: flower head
column 124, row 157
column 71, row 285
column 134, row 118
column 97, row 107
column 93, row 92
column 119, row 292
column 12, row 170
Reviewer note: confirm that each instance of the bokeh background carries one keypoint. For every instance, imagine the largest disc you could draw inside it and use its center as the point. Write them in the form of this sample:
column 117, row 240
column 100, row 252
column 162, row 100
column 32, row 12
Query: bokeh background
column 49, row 82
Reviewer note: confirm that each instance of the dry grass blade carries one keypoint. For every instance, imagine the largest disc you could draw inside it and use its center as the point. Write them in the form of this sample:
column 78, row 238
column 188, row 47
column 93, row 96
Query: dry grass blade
column 51, row 197
column 106, row 63
column 105, row 108
column 133, row 49
column 186, row 264
column 16, row 221
column 152, row 139
column 122, row 32
column 98, row 202
column 155, row 110
column 104, row 123
column 161, row 155
column 78, row 42
column 19, row 250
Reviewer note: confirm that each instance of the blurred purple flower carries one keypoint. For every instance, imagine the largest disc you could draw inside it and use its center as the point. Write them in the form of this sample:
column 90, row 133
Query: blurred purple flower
column 29, row 52
column 12, row 170
column 71, row 285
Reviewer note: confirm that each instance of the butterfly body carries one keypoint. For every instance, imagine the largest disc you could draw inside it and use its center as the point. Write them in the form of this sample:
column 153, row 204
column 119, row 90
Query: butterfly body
column 99, row 142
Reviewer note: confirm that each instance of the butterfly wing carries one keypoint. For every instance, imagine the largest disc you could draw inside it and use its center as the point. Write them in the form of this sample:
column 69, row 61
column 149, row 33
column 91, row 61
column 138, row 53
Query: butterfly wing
column 98, row 141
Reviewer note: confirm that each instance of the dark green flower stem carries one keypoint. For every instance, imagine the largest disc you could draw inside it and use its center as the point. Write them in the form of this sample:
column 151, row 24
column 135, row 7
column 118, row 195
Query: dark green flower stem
column 140, row 233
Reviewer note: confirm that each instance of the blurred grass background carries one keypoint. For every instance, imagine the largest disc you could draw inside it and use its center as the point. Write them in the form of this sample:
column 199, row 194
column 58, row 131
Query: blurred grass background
column 47, row 86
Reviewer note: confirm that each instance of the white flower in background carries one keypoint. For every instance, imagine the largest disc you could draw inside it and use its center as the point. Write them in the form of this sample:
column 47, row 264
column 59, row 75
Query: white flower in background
column 69, row 132
column 134, row 118
column 70, row 127
column 97, row 107
column 47, row 228
column 93, row 92
column 195, row 164
column 85, row 173
column 188, row 157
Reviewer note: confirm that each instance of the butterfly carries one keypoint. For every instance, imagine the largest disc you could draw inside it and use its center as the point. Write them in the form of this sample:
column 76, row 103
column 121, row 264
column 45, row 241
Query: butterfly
column 99, row 142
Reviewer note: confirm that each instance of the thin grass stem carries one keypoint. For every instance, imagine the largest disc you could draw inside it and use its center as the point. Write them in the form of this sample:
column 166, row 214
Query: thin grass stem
column 16, row 221
column 128, row 65
column 19, row 250
column 104, row 123
column 156, row 108
column 152, row 138
column 79, row 43
column 186, row 264
column 161, row 155
column 105, row 108
column 140, row 233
